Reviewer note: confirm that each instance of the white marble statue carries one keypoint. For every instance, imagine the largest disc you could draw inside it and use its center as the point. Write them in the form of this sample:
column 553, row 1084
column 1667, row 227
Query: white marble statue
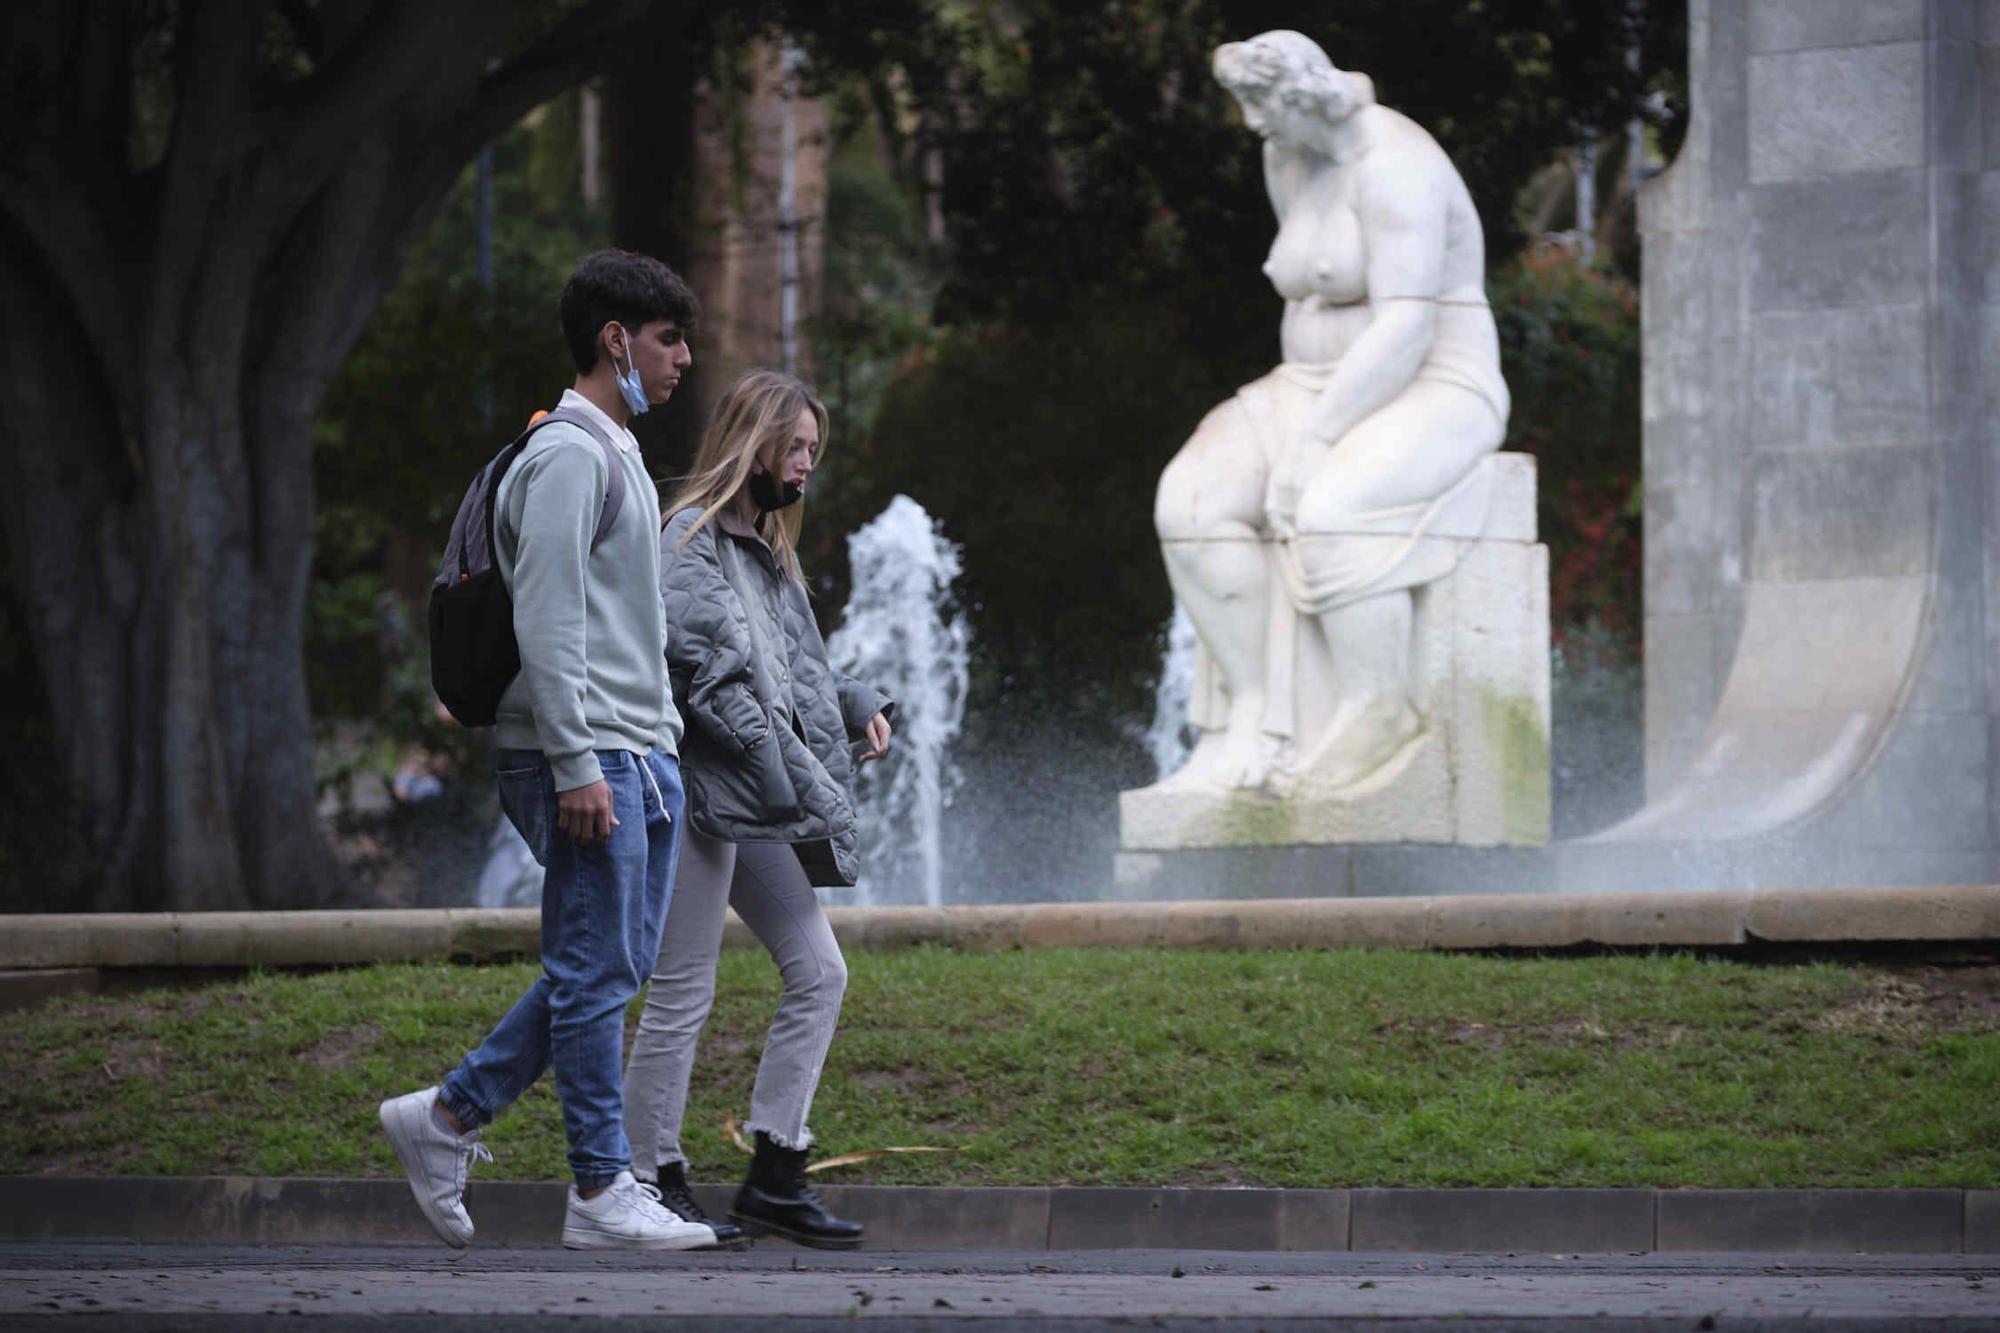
column 1304, row 510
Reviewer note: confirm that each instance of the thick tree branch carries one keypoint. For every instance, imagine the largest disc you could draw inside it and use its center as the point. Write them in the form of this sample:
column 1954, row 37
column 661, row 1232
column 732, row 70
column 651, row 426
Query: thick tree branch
column 360, row 82
column 576, row 48
column 34, row 77
column 376, row 78
column 216, row 47
column 64, row 178
column 44, row 189
column 215, row 66
column 102, row 71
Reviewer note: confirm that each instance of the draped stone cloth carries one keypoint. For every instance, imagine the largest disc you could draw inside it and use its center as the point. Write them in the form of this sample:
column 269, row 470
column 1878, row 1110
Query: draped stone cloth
column 1314, row 572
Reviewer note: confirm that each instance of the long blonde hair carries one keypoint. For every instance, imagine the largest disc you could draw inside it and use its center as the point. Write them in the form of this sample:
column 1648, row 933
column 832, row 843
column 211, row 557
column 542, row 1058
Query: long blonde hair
column 755, row 415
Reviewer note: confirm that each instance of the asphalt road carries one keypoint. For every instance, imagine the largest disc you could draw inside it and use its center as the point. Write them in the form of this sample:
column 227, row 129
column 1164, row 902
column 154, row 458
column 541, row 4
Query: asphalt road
column 80, row 1286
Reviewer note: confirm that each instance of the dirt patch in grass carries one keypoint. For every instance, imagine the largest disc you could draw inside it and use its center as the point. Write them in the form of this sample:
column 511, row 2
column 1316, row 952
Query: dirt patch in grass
column 1922, row 1002
column 132, row 1044
column 340, row 1046
column 937, row 1083
column 1578, row 1031
column 883, row 1080
column 135, row 1057
column 86, row 1162
column 1488, row 1035
column 729, row 1046
column 1211, row 1175
column 1907, row 1002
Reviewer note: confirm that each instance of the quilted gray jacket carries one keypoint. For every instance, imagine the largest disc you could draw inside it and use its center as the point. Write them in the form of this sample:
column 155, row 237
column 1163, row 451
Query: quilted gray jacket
column 767, row 754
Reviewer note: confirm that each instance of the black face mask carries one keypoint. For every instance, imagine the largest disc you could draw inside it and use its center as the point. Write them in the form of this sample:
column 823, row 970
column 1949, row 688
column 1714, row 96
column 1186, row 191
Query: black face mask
column 764, row 493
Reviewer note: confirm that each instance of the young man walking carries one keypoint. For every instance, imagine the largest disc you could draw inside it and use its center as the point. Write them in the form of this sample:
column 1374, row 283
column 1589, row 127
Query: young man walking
column 586, row 749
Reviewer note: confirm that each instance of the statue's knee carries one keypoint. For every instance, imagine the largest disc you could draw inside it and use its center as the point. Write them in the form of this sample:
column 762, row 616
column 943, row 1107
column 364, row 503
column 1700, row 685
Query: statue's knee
column 1327, row 506
column 1177, row 504
column 1208, row 488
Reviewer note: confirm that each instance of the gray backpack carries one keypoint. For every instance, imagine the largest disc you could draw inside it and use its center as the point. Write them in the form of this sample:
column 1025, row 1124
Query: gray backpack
column 474, row 655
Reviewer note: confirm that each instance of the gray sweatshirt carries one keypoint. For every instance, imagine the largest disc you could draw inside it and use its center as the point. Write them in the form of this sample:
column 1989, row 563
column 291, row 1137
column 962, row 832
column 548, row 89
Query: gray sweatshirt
column 590, row 624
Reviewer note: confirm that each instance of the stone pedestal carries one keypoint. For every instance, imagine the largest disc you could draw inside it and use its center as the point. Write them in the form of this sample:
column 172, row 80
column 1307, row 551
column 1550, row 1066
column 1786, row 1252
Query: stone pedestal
column 1478, row 773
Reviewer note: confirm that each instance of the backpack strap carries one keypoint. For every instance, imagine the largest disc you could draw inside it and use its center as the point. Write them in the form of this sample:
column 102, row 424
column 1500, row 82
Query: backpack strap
column 614, row 495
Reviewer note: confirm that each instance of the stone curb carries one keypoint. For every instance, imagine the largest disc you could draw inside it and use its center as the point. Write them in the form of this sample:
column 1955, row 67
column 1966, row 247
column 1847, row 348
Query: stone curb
column 247, row 1210
column 1499, row 921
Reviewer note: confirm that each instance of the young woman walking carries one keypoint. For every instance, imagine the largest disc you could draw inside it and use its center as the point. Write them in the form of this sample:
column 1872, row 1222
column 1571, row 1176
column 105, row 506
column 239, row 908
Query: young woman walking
column 769, row 761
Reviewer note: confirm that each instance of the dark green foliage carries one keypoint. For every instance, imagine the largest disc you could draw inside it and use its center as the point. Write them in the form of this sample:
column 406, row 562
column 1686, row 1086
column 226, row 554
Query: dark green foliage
column 877, row 290
column 1569, row 336
column 1089, row 144
column 1039, row 450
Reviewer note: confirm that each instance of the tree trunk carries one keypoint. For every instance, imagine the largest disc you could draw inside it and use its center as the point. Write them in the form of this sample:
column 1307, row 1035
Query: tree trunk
column 163, row 565
column 649, row 105
column 171, row 323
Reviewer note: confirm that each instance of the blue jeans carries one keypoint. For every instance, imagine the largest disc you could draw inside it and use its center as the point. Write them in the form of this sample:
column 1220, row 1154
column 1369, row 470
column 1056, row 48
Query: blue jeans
column 603, row 908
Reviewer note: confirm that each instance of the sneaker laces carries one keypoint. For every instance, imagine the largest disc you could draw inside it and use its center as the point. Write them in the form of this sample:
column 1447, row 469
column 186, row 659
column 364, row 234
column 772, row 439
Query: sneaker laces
column 681, row 1200
column 471, row 1149
column 647, row 1200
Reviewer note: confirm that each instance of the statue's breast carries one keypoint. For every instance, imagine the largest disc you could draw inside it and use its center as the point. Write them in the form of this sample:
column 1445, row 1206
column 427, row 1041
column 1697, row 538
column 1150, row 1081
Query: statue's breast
column 1319, row 252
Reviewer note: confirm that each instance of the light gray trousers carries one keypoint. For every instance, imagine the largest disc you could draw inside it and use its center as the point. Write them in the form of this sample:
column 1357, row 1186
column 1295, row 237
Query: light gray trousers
column 769, row 890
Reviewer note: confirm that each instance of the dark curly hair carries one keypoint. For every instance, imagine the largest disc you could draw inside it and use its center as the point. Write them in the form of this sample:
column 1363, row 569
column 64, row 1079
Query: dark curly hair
column 620, row 287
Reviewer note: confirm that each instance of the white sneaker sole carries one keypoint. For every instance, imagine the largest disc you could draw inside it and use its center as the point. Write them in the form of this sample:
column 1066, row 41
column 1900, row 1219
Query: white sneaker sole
column 395, row 1115
column 579, row 1238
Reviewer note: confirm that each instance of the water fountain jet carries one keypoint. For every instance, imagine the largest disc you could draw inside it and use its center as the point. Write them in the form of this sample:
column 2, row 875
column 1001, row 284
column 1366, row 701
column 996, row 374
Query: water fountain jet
column 902, row 635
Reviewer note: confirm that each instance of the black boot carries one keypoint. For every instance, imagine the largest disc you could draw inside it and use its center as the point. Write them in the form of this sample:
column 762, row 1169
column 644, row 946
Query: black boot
column 676, row 1195
column 777, row 1199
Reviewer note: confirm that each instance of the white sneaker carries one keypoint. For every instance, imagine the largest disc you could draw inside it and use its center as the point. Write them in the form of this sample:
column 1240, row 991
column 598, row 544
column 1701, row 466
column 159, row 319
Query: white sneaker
column 435, row 1162
column 627, row 1216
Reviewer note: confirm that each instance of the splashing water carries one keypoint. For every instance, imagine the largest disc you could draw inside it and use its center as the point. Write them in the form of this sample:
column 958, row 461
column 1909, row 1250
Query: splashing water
column 900, row 636
column 1167, row 739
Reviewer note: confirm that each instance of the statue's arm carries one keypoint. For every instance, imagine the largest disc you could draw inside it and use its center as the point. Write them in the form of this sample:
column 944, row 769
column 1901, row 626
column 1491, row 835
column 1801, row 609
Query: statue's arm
column 1402, row 205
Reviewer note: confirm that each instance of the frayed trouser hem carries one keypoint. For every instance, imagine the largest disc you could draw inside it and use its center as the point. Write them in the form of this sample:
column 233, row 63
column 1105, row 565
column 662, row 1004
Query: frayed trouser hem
column 800, row 1143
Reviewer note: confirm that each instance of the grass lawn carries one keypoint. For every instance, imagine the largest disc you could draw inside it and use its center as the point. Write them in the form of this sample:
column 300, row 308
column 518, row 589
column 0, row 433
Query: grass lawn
column 1109, row 1067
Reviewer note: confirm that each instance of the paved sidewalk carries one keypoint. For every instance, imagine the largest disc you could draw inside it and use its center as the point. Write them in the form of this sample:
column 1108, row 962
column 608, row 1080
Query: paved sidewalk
column 79, row 1286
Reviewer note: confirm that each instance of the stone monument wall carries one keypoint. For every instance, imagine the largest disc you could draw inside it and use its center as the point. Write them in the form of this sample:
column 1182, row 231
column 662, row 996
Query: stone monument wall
column 1822, row 444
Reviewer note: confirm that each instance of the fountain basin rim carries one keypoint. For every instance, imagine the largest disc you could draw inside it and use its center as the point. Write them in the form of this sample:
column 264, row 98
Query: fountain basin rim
column 1677, row 919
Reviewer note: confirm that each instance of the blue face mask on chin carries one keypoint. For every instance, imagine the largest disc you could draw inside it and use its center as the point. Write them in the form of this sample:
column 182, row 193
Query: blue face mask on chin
column 629, row 387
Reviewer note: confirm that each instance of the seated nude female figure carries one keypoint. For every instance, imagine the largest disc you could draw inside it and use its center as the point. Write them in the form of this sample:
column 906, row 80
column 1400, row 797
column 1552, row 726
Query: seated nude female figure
column 1299, row 505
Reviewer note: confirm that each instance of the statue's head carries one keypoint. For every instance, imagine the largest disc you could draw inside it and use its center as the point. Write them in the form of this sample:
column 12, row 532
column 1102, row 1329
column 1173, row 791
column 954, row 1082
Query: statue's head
column 1284, row 83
